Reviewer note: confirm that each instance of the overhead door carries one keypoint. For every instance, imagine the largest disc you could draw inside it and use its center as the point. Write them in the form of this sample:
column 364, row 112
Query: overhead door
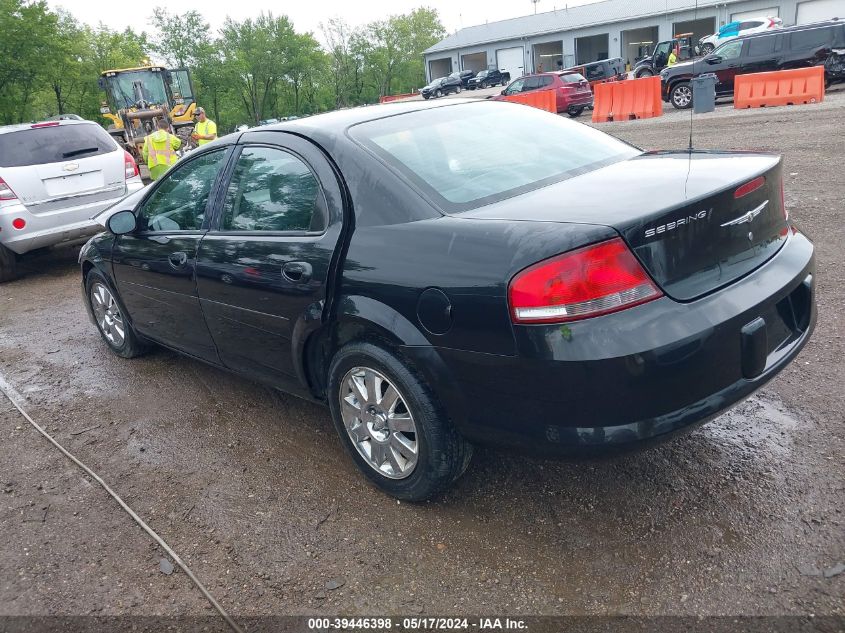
column 820, row 10
column 771, row 12
column 511, row 60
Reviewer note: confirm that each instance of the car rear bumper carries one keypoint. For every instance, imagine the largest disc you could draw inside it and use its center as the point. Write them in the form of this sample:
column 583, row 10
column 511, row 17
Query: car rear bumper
column 54, row 227
column 564, row 102
column 636, row 375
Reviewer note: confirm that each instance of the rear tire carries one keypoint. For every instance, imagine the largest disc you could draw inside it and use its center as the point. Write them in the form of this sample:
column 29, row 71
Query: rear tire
column 115, row 330
column 483, row 85
column 707, row 48
column 438, row 93
column 644, row 72
column 504, row 82
column 367, row 427
column 458, row 90
column 575, row 112
column 8, row 264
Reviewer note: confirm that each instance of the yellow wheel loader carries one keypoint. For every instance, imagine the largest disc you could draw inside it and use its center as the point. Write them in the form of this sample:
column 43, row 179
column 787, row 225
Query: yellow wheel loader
column 138, row 97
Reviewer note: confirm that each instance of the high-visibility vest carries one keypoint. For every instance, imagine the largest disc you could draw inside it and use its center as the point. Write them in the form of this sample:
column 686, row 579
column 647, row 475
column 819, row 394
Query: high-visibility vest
column 205, row 127
column 160, row 148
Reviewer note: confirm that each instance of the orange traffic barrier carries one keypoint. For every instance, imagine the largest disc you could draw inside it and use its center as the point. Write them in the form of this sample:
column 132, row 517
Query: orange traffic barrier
column 389, row 98
column 543, row 99
column 782, row 87
column 627, row 99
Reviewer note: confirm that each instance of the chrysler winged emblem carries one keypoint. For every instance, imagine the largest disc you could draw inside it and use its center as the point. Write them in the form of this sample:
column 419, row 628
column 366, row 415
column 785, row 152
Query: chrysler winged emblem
column 748, row 217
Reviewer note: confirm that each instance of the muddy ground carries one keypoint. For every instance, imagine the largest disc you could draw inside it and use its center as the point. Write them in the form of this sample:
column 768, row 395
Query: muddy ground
column 252, row 488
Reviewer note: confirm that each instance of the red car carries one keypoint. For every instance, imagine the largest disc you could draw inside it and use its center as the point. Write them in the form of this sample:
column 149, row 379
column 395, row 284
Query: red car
column 572, row 91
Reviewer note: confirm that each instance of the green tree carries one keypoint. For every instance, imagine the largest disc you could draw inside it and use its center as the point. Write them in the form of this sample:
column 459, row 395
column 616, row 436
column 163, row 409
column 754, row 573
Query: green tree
column 179, row 39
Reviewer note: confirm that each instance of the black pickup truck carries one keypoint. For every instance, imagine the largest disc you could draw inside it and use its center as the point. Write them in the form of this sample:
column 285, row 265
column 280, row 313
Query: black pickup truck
column 487, row 78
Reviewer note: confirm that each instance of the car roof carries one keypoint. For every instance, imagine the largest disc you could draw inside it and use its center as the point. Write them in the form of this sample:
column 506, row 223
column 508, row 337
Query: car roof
column 798, row 27
column 17, row 127
column 339, row 121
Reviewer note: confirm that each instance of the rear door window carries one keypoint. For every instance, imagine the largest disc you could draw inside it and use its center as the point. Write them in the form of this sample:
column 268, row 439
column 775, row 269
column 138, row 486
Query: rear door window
column 54, row 144
column 572, row 78
column 761, row 46
column 546, row 81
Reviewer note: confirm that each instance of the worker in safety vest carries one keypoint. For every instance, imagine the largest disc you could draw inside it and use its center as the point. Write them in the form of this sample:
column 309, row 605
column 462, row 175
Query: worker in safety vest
column 673, row 57
column 205, row 130
column 160, row 149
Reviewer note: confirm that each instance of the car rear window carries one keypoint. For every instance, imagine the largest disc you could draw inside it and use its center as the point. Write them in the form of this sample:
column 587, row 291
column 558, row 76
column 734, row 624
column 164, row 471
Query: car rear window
column 467, row 155
column 572, row 78
column 53, row 144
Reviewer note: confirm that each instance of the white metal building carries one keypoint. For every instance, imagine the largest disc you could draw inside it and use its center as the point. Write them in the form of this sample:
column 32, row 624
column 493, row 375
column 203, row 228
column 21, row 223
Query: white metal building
column 613, row 28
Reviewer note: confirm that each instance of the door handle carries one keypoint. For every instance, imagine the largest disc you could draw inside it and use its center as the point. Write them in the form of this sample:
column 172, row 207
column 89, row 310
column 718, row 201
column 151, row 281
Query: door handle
column 178, row 259
column 298, row 272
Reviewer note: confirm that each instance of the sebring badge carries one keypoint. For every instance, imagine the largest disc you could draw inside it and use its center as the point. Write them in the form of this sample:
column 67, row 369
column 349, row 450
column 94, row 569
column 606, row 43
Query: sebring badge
column 748, row 217
column 678, row 223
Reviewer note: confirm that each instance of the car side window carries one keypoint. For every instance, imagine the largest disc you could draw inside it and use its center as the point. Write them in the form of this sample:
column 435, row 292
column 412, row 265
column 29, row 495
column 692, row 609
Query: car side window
column 515, row 87
column 531, row 83
column 180, row 200
column 731, row 50
column 761, row 46
column 273, row 190
column 546, row 81
column 810, row 39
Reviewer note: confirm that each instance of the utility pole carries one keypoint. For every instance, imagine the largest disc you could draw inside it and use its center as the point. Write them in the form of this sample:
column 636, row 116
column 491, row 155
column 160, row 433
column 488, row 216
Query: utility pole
column 534, row 2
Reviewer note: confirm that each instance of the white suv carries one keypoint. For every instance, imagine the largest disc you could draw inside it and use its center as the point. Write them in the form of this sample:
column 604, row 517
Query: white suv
column 54, row 176
column 738, row 28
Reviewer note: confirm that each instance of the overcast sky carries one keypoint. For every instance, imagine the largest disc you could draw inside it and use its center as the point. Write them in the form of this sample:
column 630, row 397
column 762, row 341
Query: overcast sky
column 307, row 16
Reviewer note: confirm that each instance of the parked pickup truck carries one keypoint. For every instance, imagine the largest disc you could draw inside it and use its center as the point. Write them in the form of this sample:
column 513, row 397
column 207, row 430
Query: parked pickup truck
column 658, row 60
column 487, row 78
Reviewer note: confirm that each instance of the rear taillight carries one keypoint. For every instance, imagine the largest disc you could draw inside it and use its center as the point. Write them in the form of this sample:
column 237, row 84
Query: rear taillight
column 18, row 223
column 6, row 192
column 584, row 283
column 750, row 186
column 130, row 165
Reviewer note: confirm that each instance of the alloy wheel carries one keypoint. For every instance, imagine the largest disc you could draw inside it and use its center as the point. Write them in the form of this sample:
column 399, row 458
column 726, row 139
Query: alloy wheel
column 682, row 96
column 107, row 315
column 378, row 422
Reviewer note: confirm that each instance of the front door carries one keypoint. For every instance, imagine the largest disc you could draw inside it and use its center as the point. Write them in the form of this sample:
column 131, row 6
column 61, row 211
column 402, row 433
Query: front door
column 726, row 68
column 262, row 271
column 154, row 267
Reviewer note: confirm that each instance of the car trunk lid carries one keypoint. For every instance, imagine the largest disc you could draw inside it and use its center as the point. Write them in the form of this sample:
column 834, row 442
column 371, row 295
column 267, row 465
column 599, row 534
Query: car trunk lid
column 680, row 213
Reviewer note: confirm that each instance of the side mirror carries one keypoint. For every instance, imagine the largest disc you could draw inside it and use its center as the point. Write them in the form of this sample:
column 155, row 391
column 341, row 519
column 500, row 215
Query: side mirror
column 505, row 91
column 122, row 222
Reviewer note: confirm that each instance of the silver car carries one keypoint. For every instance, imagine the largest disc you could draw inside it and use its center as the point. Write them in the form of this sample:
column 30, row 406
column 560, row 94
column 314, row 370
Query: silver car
column 54, row 176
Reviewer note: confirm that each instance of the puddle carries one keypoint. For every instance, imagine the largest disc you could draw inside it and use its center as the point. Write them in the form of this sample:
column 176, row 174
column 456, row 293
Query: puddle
column 760, row 424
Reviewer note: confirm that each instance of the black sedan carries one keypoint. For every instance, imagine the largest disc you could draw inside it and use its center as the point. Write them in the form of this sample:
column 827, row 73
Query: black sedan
column 442, row 86
column 445, row 274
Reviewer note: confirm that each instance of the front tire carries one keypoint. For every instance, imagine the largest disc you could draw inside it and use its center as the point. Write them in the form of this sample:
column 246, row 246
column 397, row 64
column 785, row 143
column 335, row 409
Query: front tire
column 458, row 90
column 483, row 85
column 438, row 94
column 114, row 329
column 8, row 264
column 681, row 95
column 392, row 425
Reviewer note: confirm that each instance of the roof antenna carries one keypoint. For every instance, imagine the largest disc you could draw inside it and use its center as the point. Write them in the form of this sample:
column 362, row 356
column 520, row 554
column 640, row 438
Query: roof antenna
column 694, row 54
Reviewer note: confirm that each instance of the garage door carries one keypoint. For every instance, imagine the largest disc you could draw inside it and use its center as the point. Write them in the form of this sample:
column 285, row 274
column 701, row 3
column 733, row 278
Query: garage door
column 820, row 10
column 511, row 60
column 771, row 12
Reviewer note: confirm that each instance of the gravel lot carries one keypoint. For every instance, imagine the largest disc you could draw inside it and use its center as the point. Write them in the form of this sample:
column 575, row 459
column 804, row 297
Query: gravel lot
column 252, row 488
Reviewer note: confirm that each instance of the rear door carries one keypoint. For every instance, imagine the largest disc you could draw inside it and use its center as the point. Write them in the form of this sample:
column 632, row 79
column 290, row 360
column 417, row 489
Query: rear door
column 761, row 54
column 57, row 165
column 264, row 270
column 155, row 266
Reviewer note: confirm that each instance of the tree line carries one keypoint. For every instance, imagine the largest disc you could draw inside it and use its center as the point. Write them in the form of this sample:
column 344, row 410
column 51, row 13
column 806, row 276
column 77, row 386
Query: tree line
column 250, row 70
